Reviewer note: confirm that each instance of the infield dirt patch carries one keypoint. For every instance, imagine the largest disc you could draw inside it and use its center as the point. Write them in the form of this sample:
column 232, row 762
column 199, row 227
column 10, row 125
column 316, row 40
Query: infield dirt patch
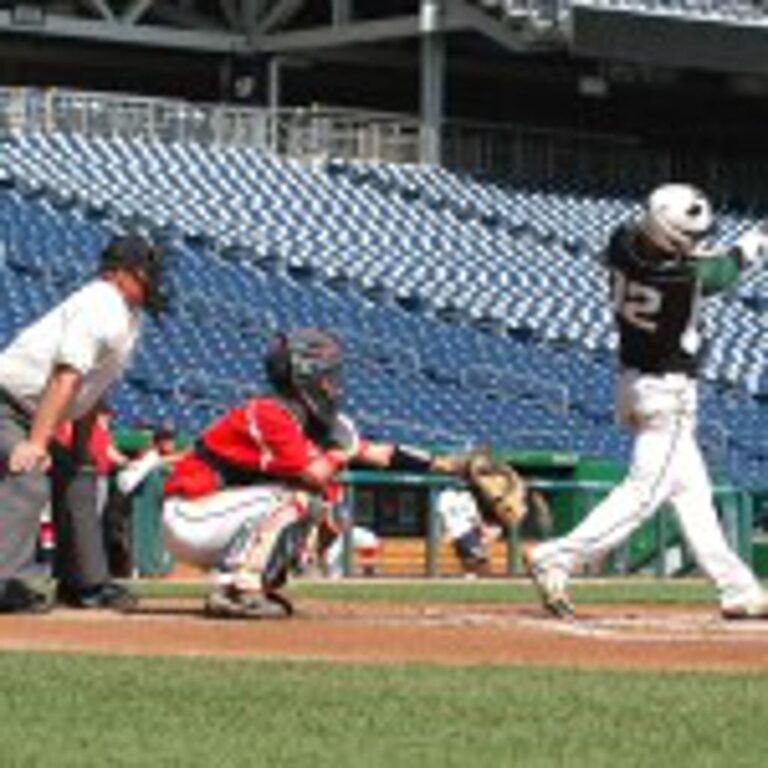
column 601, row 637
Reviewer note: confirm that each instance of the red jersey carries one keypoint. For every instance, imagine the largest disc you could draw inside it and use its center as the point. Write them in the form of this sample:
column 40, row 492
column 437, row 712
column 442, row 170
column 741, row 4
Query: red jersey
column 258, row 441
column 99, row 443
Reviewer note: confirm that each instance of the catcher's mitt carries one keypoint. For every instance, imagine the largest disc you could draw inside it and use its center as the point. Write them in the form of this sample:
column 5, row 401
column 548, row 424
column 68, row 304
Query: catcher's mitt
column 498, row 489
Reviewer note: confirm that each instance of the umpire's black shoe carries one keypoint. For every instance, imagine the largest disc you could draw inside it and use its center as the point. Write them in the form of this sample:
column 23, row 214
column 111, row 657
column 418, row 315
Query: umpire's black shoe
column 18, row 597
column 110, row 596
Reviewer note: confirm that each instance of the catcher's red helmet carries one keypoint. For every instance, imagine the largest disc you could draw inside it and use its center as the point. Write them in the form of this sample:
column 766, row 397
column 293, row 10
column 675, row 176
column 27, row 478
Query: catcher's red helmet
column 305, row 364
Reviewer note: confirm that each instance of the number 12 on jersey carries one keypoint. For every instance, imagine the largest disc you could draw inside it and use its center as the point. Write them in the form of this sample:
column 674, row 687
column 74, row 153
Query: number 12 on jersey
column 637, row 303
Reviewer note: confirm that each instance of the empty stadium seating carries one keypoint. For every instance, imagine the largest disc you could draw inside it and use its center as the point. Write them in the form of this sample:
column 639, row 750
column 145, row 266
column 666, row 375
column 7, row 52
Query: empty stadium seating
column 473, row 310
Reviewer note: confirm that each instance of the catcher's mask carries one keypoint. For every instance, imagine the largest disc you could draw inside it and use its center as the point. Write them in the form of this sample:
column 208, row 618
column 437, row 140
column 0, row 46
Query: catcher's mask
column 135, row 253
column 305, row 365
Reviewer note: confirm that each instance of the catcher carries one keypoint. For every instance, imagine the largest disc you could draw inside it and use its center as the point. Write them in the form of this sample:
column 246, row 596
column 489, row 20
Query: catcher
column 246, row 500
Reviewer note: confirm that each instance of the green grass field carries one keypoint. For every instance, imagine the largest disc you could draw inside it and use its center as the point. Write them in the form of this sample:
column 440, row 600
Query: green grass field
column 89, row 712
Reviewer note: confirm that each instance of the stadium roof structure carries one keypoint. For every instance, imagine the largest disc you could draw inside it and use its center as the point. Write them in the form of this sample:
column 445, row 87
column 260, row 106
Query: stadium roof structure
column 677, row 32
column 582, row 63
column 266, row 26
column 398, row 36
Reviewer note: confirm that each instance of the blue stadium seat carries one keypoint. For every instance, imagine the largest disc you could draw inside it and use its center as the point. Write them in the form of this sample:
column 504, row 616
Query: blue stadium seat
column 426, row 275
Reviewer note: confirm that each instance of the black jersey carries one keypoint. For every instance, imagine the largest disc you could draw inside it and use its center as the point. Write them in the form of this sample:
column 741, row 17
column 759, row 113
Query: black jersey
column 656, row 306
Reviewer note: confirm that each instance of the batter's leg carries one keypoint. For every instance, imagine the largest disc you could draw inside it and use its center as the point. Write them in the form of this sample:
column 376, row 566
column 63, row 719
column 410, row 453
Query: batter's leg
column 613, row 520
column 692, row 501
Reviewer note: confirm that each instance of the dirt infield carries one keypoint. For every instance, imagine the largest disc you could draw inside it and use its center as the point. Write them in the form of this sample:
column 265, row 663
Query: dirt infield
column 601, row 637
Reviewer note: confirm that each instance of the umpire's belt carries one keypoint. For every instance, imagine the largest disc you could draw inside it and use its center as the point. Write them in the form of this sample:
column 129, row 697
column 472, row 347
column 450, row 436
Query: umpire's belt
column 226, row 473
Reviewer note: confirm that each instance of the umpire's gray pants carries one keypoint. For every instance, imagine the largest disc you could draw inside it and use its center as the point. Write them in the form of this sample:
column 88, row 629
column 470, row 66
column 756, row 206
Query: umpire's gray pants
column 81, row 559
column 22, row 498
column 80, row 556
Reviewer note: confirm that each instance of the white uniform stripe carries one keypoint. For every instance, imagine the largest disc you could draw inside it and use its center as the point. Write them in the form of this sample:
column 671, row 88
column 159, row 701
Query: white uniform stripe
column 265, row 453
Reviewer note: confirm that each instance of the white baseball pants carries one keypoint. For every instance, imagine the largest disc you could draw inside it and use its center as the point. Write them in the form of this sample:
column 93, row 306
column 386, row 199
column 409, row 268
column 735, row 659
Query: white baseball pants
column 200, row 531
column 666, row 466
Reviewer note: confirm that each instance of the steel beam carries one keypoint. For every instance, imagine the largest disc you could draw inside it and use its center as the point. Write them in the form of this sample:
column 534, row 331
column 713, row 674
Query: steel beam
column 102, row 9
column 54, row 25
column 460, row 16
column 280, row 13
column 331, row 37
column 135, row 11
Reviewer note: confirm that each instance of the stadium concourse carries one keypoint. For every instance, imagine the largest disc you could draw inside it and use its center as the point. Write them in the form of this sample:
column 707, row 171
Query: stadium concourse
column 473, row 309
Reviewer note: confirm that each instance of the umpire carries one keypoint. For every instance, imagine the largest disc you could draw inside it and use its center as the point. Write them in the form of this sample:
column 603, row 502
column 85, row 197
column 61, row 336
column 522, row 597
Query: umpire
column 55, row 370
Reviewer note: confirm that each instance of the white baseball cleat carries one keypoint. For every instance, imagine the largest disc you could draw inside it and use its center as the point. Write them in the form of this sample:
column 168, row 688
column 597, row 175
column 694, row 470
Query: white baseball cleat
column 756, row 608
column 552, row 584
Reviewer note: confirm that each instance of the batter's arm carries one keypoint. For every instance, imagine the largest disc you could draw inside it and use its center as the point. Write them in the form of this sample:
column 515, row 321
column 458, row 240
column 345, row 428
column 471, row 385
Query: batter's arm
column 717, row 273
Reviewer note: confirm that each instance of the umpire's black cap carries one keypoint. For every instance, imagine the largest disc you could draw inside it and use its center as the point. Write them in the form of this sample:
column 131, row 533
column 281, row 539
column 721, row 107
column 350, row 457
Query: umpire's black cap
column 136, row 253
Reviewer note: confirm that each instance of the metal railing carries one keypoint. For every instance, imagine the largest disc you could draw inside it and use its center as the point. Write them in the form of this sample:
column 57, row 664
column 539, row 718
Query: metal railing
column 315, row 132
column 318, row 133
column 553, row 11
column 731, row 10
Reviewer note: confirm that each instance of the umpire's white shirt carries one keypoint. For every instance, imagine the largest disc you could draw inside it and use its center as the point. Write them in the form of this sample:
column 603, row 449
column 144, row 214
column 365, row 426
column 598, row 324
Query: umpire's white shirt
column 93, row 330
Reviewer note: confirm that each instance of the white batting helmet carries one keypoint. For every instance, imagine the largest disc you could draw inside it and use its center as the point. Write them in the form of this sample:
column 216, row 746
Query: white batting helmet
column 677, row 217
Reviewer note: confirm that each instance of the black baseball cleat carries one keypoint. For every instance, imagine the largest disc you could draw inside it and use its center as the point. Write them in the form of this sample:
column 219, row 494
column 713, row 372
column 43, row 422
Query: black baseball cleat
column 109, row 596
column 18, row 597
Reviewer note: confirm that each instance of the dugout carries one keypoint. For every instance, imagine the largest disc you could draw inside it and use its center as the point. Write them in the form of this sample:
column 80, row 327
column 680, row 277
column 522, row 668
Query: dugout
column 399, row 506
column 760, row 543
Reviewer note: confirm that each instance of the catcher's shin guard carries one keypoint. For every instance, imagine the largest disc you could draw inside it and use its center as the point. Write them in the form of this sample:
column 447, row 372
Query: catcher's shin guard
column 265, row 549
